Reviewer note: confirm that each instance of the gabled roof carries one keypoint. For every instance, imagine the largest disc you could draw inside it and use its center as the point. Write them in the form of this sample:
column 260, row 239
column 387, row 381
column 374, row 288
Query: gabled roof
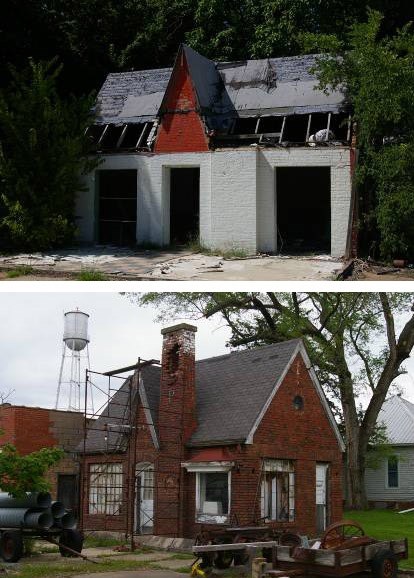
column 271, row 86
column 232, row 391
column 108, row 432
column 397, row 414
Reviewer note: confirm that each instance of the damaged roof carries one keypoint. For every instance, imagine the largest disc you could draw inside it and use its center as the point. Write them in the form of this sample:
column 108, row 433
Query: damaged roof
column 231, row 392
column 272, row 86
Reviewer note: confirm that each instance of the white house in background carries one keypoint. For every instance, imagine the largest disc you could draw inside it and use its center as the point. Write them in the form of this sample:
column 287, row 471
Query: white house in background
column 248, row 155
column 392, row 484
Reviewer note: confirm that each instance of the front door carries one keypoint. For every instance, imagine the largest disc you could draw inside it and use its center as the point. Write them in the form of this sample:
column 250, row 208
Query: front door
column 321, row 497
column 144, row 522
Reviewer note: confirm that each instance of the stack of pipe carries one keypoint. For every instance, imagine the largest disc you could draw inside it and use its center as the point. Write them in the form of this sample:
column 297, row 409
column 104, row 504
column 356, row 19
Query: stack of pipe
column 35, row 511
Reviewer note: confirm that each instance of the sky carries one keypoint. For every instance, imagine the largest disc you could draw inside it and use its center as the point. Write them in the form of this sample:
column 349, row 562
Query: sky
column 31, row 331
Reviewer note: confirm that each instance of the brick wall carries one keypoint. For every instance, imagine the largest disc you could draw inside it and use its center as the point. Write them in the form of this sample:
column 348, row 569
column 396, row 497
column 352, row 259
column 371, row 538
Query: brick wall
column 177, row 422
column 33, row 428
column 140, row 450
column 304, row 436
column 181, row 129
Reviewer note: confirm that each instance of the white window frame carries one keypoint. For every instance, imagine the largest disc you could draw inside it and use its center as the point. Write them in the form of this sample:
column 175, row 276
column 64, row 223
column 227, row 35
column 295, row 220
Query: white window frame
column 387, row 474
column 205, row 468
column 283, row 466
column 99, row 474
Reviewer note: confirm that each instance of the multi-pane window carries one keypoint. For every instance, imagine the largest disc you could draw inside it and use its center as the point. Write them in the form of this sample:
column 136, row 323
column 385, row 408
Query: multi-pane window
column 278, row 491
column 213, row 496
column 105, row 489
column 147, row 484
column 392, row 477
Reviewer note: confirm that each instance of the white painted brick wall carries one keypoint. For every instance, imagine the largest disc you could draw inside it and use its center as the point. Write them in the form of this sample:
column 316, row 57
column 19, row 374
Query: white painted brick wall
column 233, row 199
column 237, row 194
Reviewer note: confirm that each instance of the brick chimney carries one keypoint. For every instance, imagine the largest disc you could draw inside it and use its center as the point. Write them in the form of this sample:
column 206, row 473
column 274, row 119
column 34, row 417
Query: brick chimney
column 177, row 422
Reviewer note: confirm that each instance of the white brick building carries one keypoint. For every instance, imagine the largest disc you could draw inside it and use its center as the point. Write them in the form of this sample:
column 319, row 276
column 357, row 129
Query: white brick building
column 225, row 152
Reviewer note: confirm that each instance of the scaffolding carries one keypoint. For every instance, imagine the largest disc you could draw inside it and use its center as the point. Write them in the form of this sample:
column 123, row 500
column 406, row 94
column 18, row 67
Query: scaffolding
column 117, row 487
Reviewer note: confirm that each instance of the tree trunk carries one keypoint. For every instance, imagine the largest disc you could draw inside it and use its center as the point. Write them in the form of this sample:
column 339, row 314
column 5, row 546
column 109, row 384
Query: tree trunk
column 356, row 495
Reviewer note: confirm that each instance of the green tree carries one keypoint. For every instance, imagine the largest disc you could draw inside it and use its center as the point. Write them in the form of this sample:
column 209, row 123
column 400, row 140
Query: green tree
column 43, row 152
column 20, row 474
column 376, row 73
column 357, row 343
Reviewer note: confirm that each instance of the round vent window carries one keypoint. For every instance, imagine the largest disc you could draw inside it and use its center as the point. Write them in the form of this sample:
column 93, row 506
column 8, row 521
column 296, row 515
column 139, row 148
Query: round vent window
column 298, row 402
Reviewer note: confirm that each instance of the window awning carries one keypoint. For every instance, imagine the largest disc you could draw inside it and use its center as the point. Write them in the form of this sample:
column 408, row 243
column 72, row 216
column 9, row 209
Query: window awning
column 209, row 460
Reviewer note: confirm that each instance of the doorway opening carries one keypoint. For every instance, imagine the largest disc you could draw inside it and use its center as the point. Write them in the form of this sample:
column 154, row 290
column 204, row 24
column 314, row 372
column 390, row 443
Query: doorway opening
column 117, row 221
column 144, row 511
column 303, row 196
column 184, row 205
column 322, row 497
column 67, row 491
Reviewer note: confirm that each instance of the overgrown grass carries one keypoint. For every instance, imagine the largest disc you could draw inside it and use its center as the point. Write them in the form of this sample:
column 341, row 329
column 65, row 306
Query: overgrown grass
column 90, row 275
column 387, row 525
column 19, row 271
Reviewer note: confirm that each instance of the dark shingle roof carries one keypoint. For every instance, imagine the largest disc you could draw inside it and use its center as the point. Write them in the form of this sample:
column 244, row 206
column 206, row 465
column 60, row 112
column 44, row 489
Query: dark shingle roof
column 231, row 392
column 248, row 88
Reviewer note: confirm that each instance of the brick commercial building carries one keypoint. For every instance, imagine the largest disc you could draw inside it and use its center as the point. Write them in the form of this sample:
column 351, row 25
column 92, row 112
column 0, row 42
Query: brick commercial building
column 30, row 429
column 237, row 439
column 247, row 155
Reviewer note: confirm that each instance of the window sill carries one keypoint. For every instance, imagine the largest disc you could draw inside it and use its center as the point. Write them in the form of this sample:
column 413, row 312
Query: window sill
column 211, row 519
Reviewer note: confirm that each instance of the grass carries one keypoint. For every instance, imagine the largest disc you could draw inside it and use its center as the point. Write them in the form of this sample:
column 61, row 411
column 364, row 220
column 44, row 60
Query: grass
column 53, row 569
column 387, row 525
column 182, row 556
column 90, row 275
column 19, row 271
column 92, row 541
column 196, row 246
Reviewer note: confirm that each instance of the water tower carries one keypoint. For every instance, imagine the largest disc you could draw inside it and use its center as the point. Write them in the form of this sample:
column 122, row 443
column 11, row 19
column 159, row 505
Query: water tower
column 75, row 360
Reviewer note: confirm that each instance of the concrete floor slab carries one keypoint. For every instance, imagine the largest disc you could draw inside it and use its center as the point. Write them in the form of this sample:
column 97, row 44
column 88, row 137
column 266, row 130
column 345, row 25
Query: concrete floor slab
column 173, row 265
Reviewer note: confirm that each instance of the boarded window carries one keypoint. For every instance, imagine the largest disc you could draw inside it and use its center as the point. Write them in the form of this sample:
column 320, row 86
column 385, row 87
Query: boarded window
column 105, row 489
column 278, row 491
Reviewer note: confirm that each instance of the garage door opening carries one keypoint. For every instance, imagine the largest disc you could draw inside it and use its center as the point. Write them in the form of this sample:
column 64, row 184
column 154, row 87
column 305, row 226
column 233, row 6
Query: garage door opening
column 117, row 207
column 184, row 205
column 303, row 209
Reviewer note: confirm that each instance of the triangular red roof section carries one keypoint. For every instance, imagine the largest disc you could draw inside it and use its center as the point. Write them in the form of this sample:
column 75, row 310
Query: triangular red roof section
column 181, row 128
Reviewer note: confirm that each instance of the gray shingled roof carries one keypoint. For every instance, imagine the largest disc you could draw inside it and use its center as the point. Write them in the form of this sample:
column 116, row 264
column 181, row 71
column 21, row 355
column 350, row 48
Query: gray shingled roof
column 397, row 414
column 231, row 392
column 270, row 86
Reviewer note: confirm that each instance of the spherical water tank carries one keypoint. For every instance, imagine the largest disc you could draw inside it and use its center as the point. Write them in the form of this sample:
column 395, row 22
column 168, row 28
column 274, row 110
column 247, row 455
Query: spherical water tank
column 75, row 334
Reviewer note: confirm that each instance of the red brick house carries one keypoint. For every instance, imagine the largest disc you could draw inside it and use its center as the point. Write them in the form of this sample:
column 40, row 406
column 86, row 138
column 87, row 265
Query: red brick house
column 236, row 439
column 30, row 429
